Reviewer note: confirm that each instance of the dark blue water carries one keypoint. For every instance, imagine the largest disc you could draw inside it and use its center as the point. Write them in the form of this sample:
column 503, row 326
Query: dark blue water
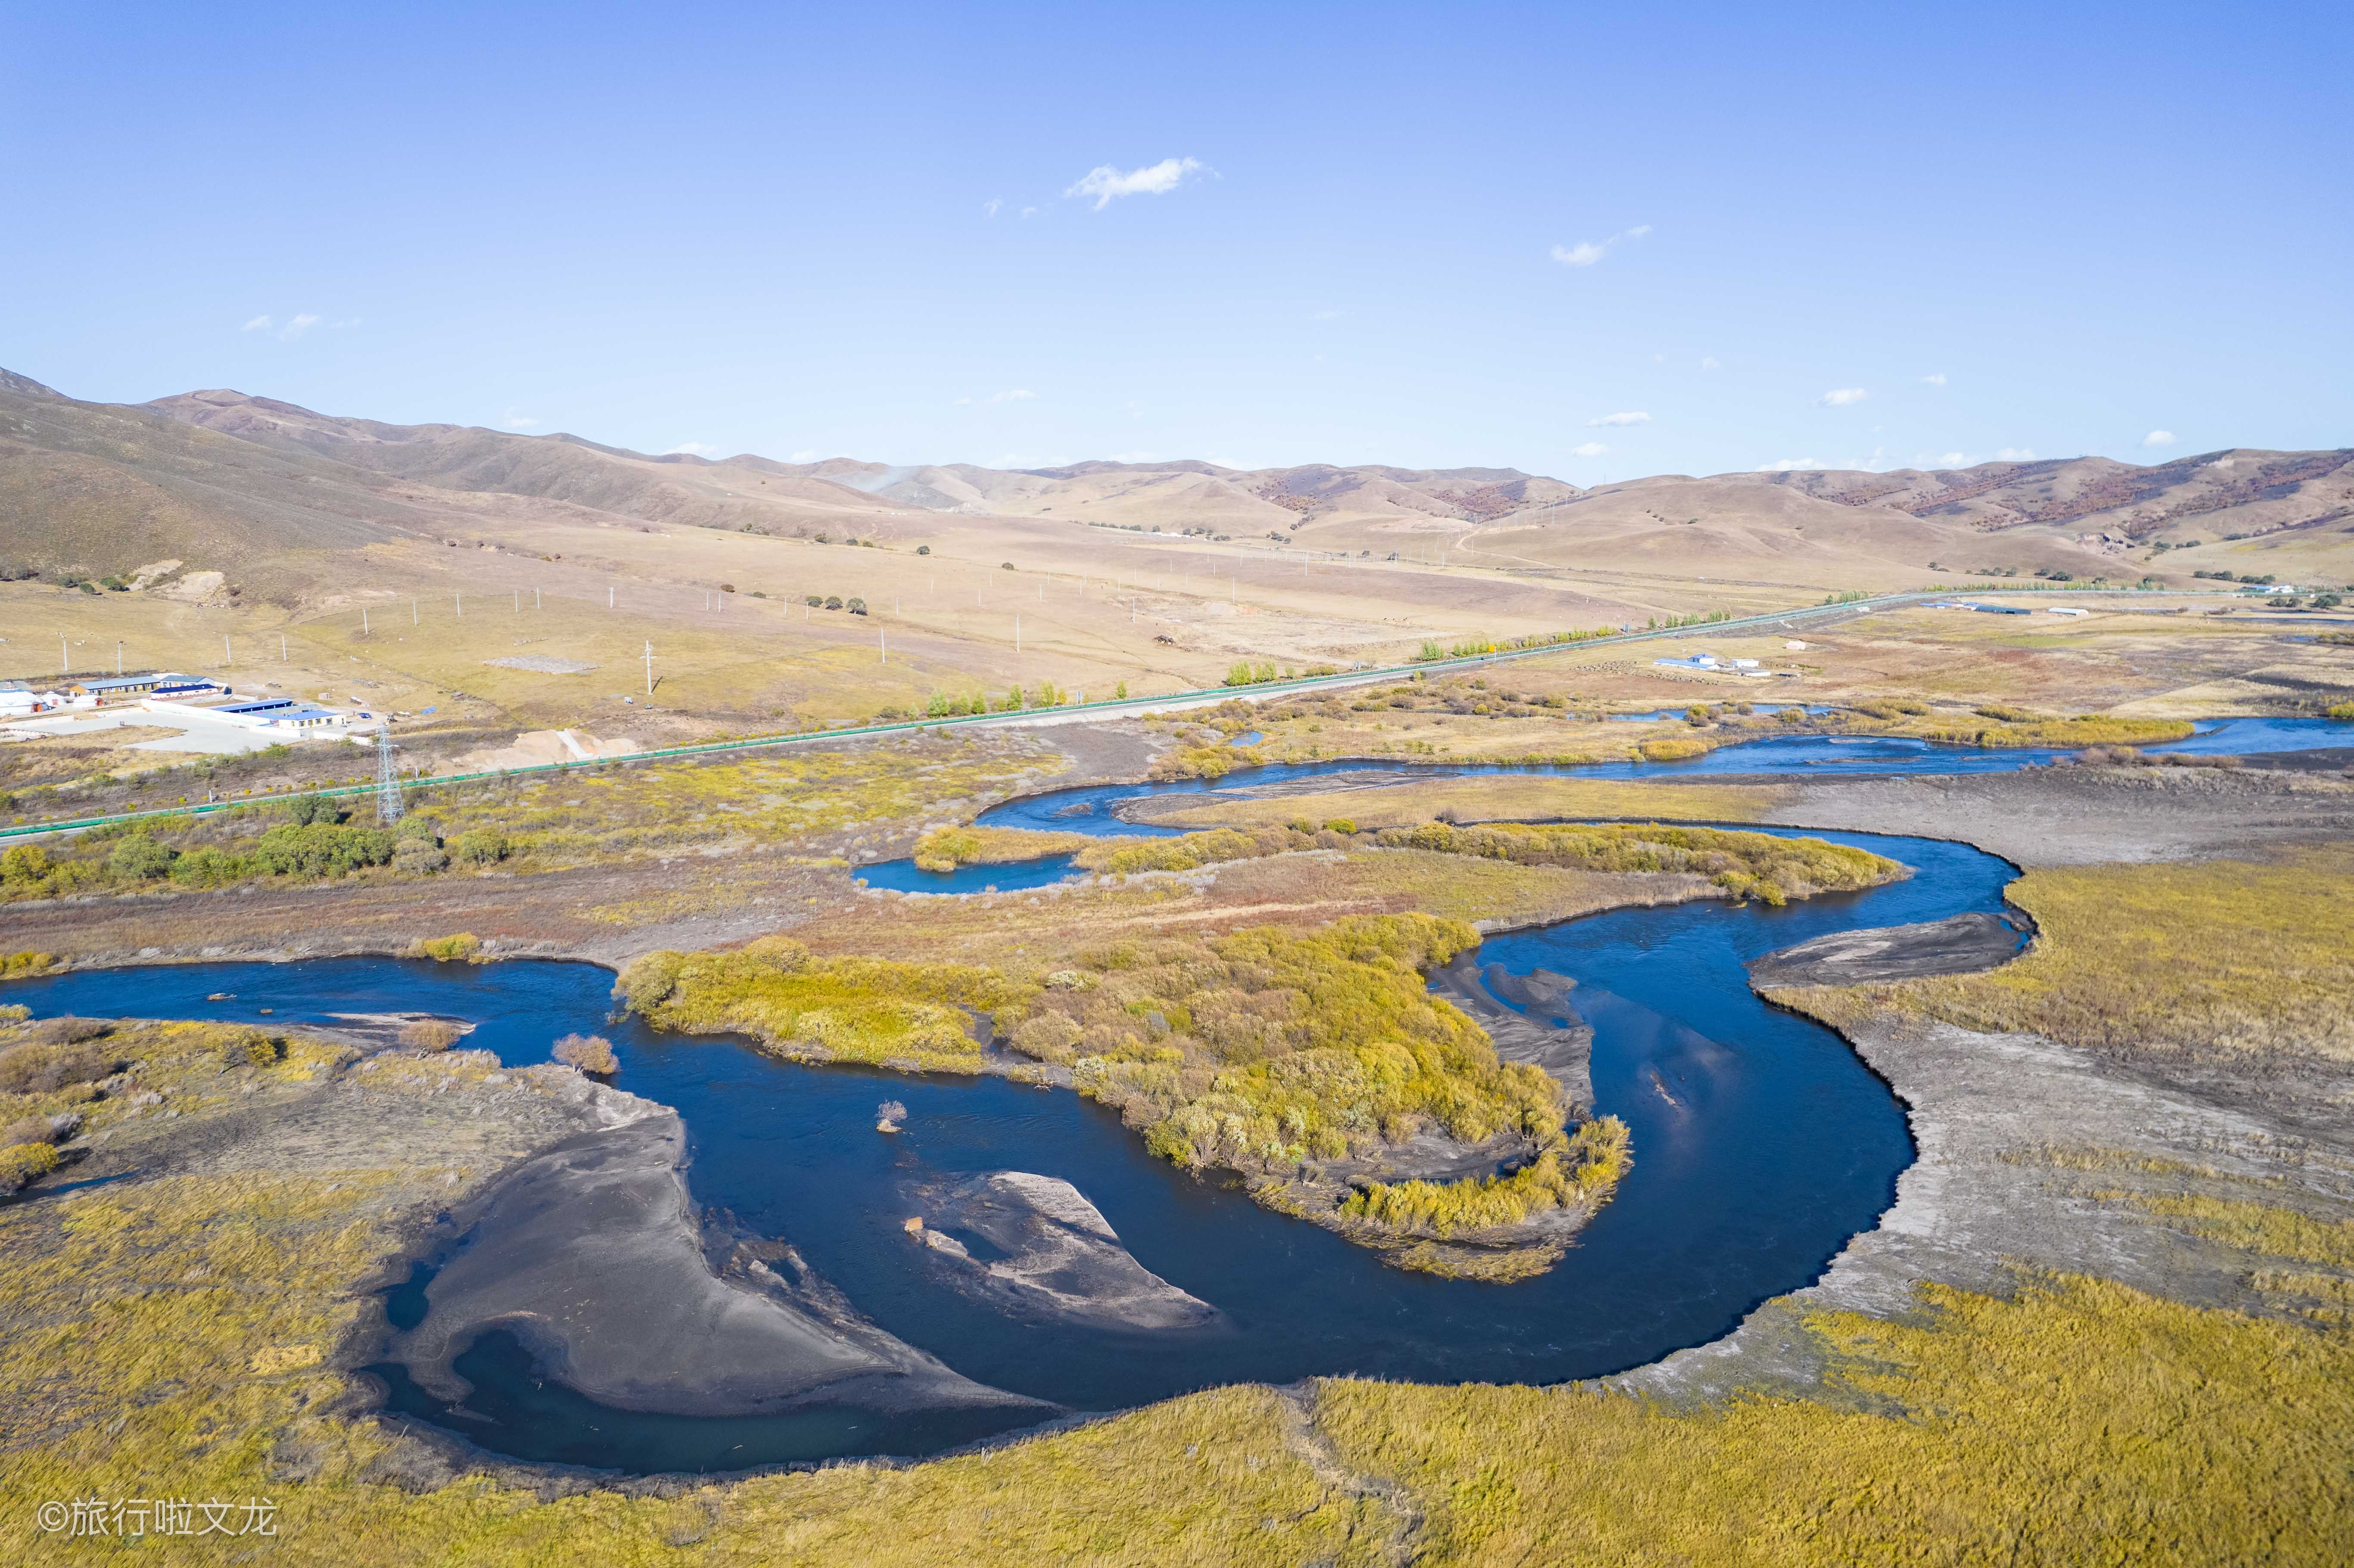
column 908, row 877
column 1761, row 1144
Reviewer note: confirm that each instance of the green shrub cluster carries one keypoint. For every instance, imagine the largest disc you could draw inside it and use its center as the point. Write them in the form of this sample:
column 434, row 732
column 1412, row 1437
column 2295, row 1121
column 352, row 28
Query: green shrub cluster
column 844, row 1008
column 1580, row 1171
column 1748, row 865
column 1190, row 849
column 1268, row 1047
column 320, row 849
column 25, row 1162
column 945, row 849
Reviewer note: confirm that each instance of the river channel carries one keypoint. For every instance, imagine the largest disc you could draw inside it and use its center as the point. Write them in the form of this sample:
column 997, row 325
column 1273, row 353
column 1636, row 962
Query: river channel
column 1761, row 1144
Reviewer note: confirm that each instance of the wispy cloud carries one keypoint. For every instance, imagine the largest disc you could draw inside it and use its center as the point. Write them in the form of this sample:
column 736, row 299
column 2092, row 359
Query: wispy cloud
column 805, row 455
column 1105, row 182
column 2016, row 454
column 1587, row 252
column 1936, row 380
column 1588, row 450
column 1029, row 212
column 691, row 449
column 988, row 209
column 1790, row 465
column 514, row 421
column 1708, row 364
column 2159, row 439
column 1017, row 394
column 1633, row 418
column 1841, row 398
column 1327, row 316
column 296, row 326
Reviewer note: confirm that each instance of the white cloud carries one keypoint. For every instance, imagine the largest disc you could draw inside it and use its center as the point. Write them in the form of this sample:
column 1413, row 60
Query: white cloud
column 1016, row 395
column 988, row 209
column 1029, row 211
column 691, row 449
column 1326, row 316
column 2016, row 454
column 805, row 455
column 1955, row 459
column 1841, row 396
column 1708, row 364
column 1589, row 448
column 514, row 421
column 1790, row 465
column 295, row 325
column 1636, row 419
column 1104, row 182
column 1587, row 252
column 2159, row 439
column 1938, row 379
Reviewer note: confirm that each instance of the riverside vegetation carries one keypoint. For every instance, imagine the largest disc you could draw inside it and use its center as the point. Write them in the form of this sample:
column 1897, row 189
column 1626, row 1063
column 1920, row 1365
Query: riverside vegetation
column 1765, row 867
column 1263, row 1052
column 794, row 801
column 1274, row 1052
column 1526, row 717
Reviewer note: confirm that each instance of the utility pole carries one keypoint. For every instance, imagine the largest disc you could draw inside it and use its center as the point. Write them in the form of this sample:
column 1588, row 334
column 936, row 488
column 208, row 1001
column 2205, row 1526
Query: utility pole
column 461, row 599
column 412, row 612
column 518, row 601
column 118, row 655
column 227, row 657
column 650, row 668
column 363, row 625
column 608, row 597
column 1017, row 634
column 388, row 803
column 282, row 648
column 535, row 598
column 883, row 640
column 65, row 660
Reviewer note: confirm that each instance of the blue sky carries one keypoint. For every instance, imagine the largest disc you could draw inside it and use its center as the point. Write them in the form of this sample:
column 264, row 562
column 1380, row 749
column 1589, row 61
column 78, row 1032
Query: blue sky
column 1433, row 237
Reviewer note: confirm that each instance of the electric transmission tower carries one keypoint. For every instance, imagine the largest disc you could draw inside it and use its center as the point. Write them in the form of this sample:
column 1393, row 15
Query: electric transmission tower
column 387, row 782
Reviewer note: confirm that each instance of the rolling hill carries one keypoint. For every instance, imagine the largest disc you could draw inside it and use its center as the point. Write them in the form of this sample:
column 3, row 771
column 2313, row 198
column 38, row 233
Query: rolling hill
column 273, row 493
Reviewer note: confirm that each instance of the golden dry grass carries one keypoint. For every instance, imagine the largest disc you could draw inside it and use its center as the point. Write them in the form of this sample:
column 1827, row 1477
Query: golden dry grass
column 2082, row 1423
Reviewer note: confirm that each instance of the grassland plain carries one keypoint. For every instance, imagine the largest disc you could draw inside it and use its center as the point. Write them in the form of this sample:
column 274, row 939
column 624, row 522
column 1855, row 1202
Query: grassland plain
column 2041, row 1419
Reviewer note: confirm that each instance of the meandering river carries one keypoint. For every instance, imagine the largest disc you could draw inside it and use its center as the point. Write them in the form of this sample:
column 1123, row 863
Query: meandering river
column 1761, row 1144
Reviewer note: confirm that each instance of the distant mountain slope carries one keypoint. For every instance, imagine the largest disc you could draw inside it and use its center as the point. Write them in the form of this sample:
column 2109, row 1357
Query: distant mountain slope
column 103, row 488
column 677, row 490
column 2287, row 514
column 272, row 492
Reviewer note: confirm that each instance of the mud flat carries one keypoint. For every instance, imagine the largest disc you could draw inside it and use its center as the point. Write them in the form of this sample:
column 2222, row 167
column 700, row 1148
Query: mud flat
column 593, row 1255
column 1037, row 1246
column 1963, row 944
